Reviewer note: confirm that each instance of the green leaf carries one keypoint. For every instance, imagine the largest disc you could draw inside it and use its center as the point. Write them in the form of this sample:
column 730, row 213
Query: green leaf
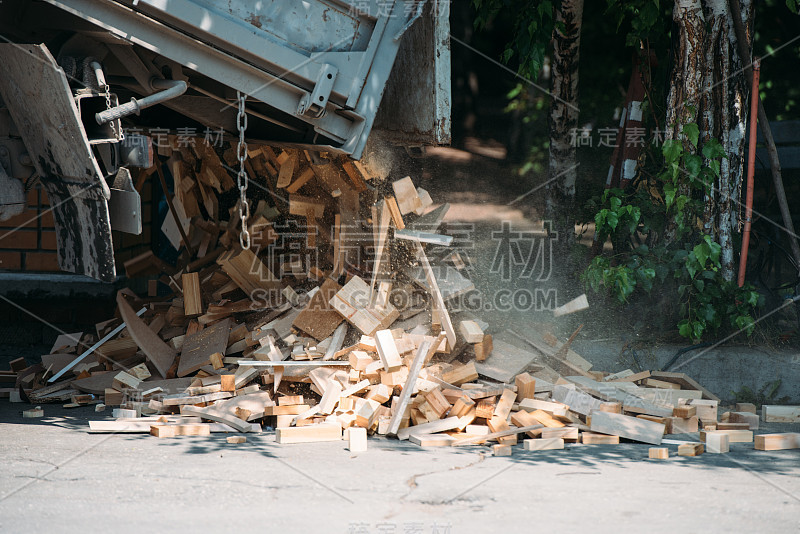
column 669, row 195
column 701, row 252
column 692, row 132
column 671, row 150
column 712, row 149
column 693, row 164
column 684, row 328
column 612, row 219
column 792, row 5
column 615, row 203
column 697, row 329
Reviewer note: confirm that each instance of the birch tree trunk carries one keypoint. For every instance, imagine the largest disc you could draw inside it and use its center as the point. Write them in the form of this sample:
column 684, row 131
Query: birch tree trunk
column 563, row 117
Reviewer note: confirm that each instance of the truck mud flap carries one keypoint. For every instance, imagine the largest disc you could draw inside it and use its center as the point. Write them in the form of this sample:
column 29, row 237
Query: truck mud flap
column 40, row 102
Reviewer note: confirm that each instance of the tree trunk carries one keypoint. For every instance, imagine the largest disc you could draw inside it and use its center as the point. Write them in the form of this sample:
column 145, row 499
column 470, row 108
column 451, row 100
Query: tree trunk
column 687, row 70
column 563, row 117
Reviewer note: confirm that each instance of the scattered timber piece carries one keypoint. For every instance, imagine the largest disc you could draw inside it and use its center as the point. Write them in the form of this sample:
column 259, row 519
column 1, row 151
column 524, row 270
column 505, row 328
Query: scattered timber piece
column 680, row 425
column 140, row 371
column 424, row 237
column 387, row 351
column 236, row 440
column 461, row 374
column 575, row 305
column 429, row 428
column 655, row 383
column 690, row 449
column 394, row 211
column 33, row 412
column 632, row 377
column 554, row 408
column 735, row 436
column 616, row 376
column 163, row 431
column 198, row 347
column 685, row 381
column 432, row 440
column 406, row 194
column 717, row 443
column 159, row 353
column 553, row 359
column 309, row 433
column 450, row 282
column 471, row 331
column 192, row 299
column 216, row 360
column 745, row 407
column 356, row 439
column 658, row 453
column 750, row 419
column 707, row 410
column 438, row 300
column 142, row 426
column 526, row 386
column 546, row 419
column 591, row 438
column 506, row 362
column 320, row 319
column 576, row 400
column 294, row 409
column 337, row 340
column 611, row 407
column 781, row 414
column 484, row 349
column 299, row 205
column 212, row 414
column 228, row 382
column 180, row 399
column 123, row 380
column 504, row 405
column 94, row 347
column 353, row 303
column 685, row 411
column 543, row 444
column 568, row 433
column 777, row 442
column 627, row 427
column 495, row 435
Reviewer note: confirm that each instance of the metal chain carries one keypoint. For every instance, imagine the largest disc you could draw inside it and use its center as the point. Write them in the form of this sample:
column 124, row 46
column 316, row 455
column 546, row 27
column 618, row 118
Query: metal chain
column 241, row 178
column 107, row 89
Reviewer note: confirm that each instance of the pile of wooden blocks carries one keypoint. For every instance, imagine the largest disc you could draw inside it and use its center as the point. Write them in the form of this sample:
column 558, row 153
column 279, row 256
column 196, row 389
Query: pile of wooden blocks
column 343, row 329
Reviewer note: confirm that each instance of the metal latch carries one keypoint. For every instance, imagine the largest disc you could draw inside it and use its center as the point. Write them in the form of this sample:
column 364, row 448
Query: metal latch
column 313, row 105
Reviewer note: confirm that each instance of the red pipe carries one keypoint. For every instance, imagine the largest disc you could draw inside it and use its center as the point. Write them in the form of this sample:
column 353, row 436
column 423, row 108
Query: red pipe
column 751, row 167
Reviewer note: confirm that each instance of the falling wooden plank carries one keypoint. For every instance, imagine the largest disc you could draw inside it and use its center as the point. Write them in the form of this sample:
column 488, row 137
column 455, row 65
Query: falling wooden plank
column 505, row 362
column 627, row 427
column 320, row 319
column 192, row 299
column 394, row 211
column 685, row 381
column 433, row 427
column 198, row 347
column 405, row 396
column 438, row 301
column 309, row 433
column 212, row 414
column 159, row 353
column 406, row 194
column 573, row 306
column 450, row 282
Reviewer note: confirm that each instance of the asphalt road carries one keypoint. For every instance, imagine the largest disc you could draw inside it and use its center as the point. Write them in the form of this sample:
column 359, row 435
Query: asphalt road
column 56, row 477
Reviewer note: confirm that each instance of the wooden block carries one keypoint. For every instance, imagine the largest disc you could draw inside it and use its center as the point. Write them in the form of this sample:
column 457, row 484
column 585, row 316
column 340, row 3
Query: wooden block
column 734, row 436
column 394, row 211
column 198, row 347
column 627, row 427
column 33, row 413
column 295, row 409
column 546, row 419
column 777, row 442
column 359, row 360
column 20, row 364
column 554, row 408
column 193, row 429
column 471, row 331
column 745, row 407
column 610, row 407
column 567, row 433
column 192, row 298
column 751, row 419
column 707, row 410
column 405, row 192
column 395, row 378
column 503, row 450
column 666, row 421
column 575, row 305
column 235, row 440
column 462, row 406
column 387, row 351
column 123, row 380
column 356, row 439
column 526, row 386
column 690, row 449
column 543, row 444
column 228, row 383
column 485, row 408
column 658, row 453
column 461, row 374
column 679, row 425
column 655, row 383
column 684, row 411
column 590, row 438
column 504, row 405
column 496, row 424
column 320, row 319
column 781, row 414
column 484, row 349
column 432, row 440
column 309, row 434
column 290, row 400
column 216, row 360
column 124, row 413
column 441, row 425
column 163, row 431
column 717, row 442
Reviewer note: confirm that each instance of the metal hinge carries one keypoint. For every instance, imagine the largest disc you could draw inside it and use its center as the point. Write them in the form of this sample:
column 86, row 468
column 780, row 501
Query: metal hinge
column 313, row 105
